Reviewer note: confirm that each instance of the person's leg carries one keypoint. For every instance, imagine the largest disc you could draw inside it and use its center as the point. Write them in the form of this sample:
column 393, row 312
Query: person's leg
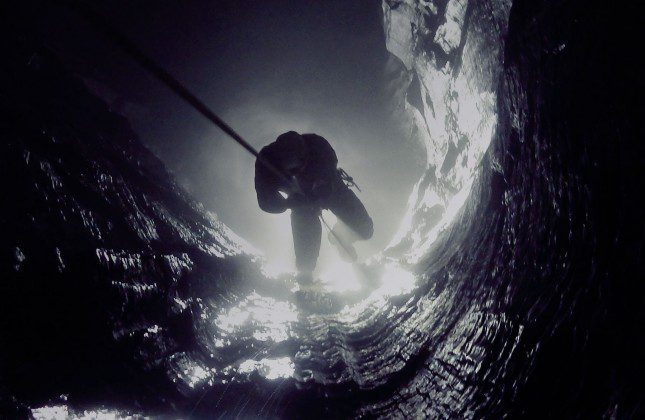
column 306, row 230
column 354, row 223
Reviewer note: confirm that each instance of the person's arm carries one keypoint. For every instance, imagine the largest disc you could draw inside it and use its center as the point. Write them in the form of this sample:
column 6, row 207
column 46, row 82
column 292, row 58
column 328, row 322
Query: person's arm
column 328, row 158
column 267, row 189
column 327, row 166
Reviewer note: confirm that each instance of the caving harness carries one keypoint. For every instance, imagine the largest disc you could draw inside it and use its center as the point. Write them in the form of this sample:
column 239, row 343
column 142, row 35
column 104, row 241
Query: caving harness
column 348, row 180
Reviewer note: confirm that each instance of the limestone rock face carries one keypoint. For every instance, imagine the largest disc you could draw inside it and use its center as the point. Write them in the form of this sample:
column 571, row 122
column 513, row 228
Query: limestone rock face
column 100, row 247
column 452, row 55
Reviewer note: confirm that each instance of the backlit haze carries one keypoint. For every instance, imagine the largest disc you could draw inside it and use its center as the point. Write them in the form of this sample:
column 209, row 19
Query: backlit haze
column 265, row 67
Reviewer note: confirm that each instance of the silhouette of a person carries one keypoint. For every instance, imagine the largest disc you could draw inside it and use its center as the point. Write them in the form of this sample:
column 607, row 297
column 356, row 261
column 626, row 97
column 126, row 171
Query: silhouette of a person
column 312, row 183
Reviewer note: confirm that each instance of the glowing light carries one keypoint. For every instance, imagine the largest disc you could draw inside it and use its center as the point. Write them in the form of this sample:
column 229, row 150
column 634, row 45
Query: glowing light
column 196, row 375
column 276, row 267
column 50, row 412
column 340, row 277
column 189, row 371
column 57, row 412
column 267, row 318
column 271, row 369
column 277, row 246
column 395, row 281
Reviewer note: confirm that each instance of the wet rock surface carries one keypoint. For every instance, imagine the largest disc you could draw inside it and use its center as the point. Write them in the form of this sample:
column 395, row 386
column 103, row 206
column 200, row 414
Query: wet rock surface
column 100, row 247
column 452, row 57
column 120, row 293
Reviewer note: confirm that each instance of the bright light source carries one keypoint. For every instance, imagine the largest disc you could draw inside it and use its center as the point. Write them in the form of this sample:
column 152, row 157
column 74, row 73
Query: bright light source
column 271, row 369
column 395, row 281
column 277, row 267
column 56, row 412
column 266, row 318
column 340, row 277
column 50, row 412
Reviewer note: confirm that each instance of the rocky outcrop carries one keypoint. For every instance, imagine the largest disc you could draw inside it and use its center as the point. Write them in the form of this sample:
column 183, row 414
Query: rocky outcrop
column 452, row 57
column 531, row 287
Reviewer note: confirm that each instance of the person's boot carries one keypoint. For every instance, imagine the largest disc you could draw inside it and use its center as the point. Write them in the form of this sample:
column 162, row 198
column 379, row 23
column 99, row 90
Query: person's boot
column 305, row 279
column 346, row 250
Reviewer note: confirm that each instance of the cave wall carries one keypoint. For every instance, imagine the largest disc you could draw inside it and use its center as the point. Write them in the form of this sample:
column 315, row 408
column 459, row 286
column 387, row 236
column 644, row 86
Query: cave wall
column 101, row 250
column 541, row 266
column 452, row 57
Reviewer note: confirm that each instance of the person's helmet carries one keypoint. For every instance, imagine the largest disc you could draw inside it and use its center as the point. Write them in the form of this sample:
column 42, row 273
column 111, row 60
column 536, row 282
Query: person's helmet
column 293, row 152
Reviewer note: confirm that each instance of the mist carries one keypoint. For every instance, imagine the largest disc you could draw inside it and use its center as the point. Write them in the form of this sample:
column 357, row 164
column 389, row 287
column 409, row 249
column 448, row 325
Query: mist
column 266, row 68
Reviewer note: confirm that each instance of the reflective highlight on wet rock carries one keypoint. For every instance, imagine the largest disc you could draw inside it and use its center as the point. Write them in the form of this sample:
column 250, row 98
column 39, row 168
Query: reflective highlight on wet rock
column 451, row 51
